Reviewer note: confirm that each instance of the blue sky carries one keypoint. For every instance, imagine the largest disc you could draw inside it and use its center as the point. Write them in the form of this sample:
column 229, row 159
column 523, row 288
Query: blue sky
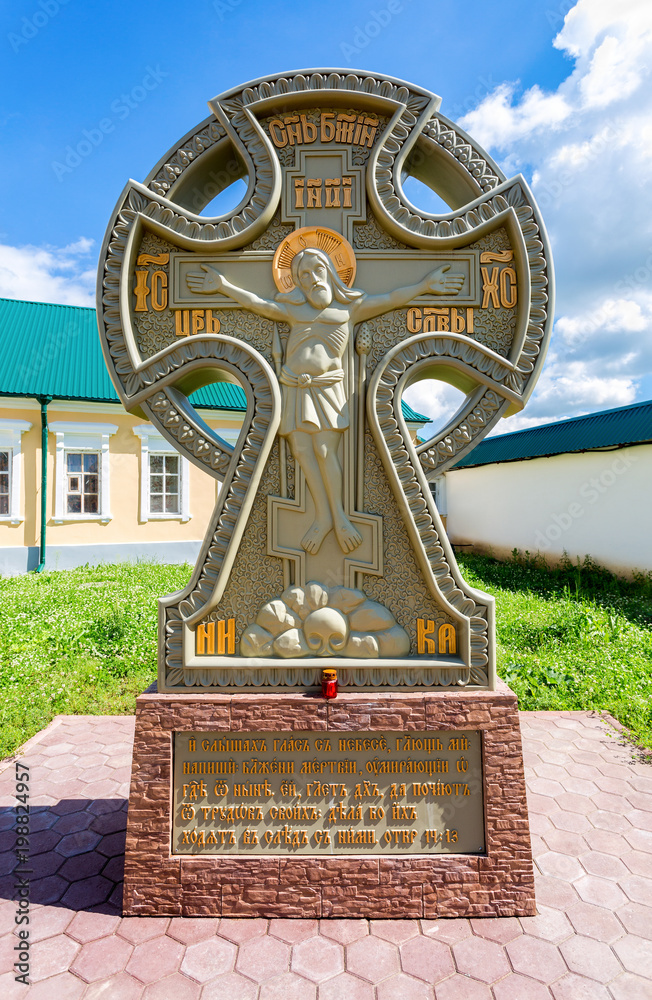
column 555, row 90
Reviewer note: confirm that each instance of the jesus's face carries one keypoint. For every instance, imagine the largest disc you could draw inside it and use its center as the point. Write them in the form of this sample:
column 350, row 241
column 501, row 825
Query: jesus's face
column 314, row 281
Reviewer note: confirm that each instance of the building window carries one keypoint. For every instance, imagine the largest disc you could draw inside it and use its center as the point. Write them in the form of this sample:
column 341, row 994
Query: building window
column 164, row 484
column 11, row 432
column 82, row 471
column 164, row 477
column 438, row 490
column 5, row 483
column 83, row 485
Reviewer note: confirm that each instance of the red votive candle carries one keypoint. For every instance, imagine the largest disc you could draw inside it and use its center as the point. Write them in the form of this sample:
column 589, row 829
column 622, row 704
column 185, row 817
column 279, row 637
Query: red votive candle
column 329, row 683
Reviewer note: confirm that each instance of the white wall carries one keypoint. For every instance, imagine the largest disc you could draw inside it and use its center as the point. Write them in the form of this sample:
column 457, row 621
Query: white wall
column 595, row 503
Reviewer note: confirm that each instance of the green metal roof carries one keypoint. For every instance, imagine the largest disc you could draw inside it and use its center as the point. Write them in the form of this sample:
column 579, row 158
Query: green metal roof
column 411, row 415
column 606, row 429
column 53, row 350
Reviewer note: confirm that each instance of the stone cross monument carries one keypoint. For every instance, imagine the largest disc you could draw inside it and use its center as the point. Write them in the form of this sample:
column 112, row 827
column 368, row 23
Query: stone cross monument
column 324, row 294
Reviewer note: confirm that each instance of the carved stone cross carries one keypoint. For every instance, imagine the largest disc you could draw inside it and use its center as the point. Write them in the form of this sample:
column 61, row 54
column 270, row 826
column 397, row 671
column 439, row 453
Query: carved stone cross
column 325, row 293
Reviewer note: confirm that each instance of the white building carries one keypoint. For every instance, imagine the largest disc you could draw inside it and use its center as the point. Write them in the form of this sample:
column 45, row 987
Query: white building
column 580, row 486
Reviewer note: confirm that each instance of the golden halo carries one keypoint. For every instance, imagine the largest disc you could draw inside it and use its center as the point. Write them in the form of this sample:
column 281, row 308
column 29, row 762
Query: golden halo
column 328, row 241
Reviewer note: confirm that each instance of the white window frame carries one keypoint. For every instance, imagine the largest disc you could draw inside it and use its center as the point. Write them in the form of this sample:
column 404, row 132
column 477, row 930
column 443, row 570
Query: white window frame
column 11, row 432
column 152, row 441
column 73, row 436
column 438, row 488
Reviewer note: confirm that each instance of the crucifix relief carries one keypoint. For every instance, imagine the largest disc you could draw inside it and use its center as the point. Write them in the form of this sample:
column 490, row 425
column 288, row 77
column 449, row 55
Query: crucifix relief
column 322, row 313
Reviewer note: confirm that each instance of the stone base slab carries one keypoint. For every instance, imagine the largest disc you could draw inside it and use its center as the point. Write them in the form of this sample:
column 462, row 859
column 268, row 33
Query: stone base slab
column 499, row 883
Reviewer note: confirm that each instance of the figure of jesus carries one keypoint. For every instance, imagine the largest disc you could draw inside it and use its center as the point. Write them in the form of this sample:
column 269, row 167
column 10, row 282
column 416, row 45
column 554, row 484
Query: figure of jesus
column 321, row 313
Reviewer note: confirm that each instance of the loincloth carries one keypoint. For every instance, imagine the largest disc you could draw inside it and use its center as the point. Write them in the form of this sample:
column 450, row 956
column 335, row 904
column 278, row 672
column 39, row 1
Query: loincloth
column 313, row 403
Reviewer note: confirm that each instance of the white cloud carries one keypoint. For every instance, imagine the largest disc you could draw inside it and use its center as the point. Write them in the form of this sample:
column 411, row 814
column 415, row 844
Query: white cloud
column 65, row 275
column 434, row 399
column 587, row 147
column 497, row 121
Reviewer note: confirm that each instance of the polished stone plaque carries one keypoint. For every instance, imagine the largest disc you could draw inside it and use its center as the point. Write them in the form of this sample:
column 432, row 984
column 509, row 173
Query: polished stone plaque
column 328, row 793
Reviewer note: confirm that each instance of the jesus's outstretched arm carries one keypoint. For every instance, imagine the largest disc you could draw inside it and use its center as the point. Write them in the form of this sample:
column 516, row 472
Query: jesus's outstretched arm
column 212, row 281
column 438, row 282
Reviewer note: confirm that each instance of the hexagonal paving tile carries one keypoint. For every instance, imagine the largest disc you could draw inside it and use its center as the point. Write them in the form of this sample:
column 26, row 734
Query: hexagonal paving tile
column 288, row 987
column 52, row 956
column 589, row 958
column 344, row 931
column 318, row 959
column 90, row 926
column 227, row 987
column 595, row 922
column 630, row 987
column 503, row 930
column 46, row 921
column 88, row 892
column 536, row 958
column 637, row 888
column 448, row 931
column 606, row 841
column 556, row 893
column 62, row 987
column 138, row 929
column 635, row 954
column 640, row 840
column 515, row 987
column 346, row 987
column 152, row 960
column 120, row 987
column 262, row 958
column 396, row 931
column 174, row 987
column 372, row 959
column 600, row 891
column 603, row 865
column 565, row 842
column 404, row 987
column 481, row 959
column 189, row 930
column 208, row 959
column 461, row 988
column 560, row 866
column 602, row 820
column 549, row 924
column 636, row 919
column 425, row 958
column 574, row 987
column 77, row 843
column 101, row 959
column 293, row 931
column 239, row 930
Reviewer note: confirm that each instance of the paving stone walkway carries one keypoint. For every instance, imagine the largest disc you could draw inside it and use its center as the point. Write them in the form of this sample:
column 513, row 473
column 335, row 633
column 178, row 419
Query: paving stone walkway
column 591, row 820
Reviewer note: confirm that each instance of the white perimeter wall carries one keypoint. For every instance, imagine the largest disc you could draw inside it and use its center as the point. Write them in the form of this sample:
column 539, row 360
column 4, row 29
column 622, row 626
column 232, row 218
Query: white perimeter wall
column 595, row 503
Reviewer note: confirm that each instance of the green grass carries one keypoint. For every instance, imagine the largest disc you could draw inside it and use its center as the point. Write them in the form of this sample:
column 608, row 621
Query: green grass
column 84, row 641
column 79, row 641
column 575, row 637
